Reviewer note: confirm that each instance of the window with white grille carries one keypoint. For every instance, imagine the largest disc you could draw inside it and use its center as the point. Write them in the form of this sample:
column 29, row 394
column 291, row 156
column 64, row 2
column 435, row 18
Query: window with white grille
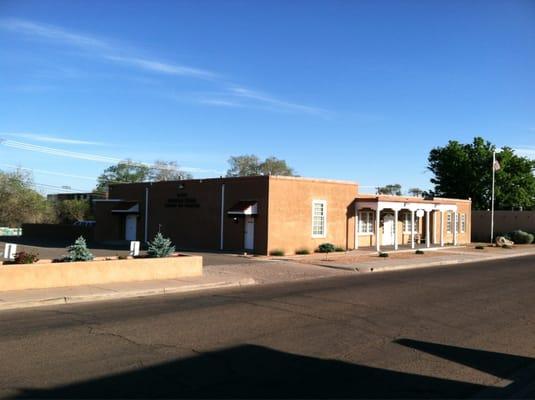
column 448, row 222
column 463, row 223
column 319, row 218
column 366, row 222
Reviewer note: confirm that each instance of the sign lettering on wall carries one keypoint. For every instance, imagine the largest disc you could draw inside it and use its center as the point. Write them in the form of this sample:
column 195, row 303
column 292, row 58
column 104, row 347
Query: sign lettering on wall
column 182, row 200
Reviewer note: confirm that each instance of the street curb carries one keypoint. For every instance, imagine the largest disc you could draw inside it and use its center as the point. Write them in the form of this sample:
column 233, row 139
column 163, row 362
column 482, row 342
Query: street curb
column 385, row 268
column 125, row 295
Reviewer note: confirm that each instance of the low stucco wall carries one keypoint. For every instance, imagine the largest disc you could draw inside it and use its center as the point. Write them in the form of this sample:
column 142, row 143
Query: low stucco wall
column 38, row 276
column 504, row 221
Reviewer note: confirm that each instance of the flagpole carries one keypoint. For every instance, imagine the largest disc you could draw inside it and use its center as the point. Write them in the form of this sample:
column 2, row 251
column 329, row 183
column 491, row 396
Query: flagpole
column 492, row 201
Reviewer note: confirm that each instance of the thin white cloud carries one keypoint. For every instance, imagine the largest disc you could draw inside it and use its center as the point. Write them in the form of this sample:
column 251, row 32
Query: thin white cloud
column 525, row 151
column 50, row 32
column 88, row 156
column 100, row 48
column 52, row 139
column 245, row 93
column 164, row 68
column 44, row 171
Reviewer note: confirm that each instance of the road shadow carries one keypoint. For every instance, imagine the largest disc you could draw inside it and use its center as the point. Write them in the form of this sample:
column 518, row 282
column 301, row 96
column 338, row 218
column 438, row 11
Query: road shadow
column 258, row 372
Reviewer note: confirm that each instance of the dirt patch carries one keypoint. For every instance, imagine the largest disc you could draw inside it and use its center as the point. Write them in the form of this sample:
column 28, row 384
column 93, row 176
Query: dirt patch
column 352, row 258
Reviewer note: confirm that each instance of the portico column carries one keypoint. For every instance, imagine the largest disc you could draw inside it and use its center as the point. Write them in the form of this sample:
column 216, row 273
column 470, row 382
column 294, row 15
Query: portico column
column 395, row 229
column 434, row 227
column 455, row 222
column 377, row 220
column 427, row 235
column 441, row 228
column 412, row 229
column 356, row 226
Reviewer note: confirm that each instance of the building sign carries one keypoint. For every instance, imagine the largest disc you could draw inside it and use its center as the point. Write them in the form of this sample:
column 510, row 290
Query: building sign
column 182, row 200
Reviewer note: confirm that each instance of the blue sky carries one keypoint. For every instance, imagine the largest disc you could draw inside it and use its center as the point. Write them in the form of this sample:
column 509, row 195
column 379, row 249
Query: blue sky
column 355, row 90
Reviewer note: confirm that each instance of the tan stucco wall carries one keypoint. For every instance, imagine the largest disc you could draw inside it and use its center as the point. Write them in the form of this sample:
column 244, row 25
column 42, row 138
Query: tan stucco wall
column 35, row 276
column 290, row 213
column 504, row 221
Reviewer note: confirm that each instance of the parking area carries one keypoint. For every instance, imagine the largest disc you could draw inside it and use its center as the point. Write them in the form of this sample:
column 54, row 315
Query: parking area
column 52, row 250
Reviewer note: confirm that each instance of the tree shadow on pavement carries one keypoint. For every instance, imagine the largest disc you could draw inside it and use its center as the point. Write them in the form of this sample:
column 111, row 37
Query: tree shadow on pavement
column 250, row 371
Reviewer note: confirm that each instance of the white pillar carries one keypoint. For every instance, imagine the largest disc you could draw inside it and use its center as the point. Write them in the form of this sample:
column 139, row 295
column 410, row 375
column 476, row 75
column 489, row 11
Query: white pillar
column 427, row 223
column 412, row 229
column 356, row 226
column 395, row 229
column 455, row 223
column 434, row 227
column 441, row 228
column 377, row 220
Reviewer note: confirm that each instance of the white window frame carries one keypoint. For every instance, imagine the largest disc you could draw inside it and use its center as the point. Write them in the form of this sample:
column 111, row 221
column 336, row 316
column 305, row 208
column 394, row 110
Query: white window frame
column 457, row 224
column 449, row 221
column 407, row 221
column 366, row 221
column 463, row 223
column 324, row 203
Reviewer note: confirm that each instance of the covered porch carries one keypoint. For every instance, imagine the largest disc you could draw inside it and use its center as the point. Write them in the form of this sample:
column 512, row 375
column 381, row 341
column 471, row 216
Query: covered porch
column 394, row 223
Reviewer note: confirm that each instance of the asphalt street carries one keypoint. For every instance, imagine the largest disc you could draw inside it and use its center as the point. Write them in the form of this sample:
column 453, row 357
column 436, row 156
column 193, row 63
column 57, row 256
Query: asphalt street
column 449, row 332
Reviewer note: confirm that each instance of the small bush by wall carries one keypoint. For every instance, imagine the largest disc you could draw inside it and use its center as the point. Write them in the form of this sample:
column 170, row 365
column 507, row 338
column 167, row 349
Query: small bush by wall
column 521, row 237
column 302, row 251
column 326, row 248
column 276, row 253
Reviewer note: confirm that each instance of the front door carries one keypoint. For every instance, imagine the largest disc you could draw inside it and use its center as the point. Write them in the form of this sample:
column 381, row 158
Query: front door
column 130, row 227
column 248, row 239
column 388, row 230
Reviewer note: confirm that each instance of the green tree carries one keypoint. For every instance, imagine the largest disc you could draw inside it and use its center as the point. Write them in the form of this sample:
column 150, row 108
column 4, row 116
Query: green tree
column 160, row 246
column 465, row 171
column 20, row 203
column 275, row 166
column 245, row 165
column 78, row 251
column 73, row 210
column 251, row 165
column 392, row 189
column 126, row 171
column 417, row 192
column 167, row 171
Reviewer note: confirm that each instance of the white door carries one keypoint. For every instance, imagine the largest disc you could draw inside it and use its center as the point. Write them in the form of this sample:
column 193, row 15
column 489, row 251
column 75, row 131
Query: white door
column 388, row 230
column 248, row 239
column 130, row 227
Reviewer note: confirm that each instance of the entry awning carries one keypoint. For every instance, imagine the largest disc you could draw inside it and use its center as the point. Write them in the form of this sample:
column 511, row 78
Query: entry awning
column 126, row 207
column 245, row 207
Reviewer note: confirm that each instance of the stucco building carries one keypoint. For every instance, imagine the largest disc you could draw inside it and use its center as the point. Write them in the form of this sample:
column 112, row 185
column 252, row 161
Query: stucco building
column 261, row 214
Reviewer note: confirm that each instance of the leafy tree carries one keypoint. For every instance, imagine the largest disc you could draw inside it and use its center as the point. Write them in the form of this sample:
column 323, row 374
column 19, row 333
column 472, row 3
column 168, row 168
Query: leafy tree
column 78, row 251
column 73, row 210
column 167, row 171
column 392, row 189
column 246, row 165
column 465, row 171
column 274, row 166
column 251, row 165
column 160, row 246
column 19, row 203
column 416, row 192
column 124, row 172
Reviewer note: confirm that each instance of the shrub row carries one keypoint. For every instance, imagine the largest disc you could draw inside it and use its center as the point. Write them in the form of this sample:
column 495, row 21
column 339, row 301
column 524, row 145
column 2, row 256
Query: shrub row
column 322, row 248
column 78, row 251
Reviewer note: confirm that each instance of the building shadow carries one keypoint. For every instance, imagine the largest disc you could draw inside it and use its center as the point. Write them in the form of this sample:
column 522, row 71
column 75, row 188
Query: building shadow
column 250, row 371
column 519, row 369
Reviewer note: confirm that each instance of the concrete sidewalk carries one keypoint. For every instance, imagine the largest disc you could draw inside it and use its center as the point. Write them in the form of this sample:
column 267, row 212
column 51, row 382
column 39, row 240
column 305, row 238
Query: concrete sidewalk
column 446, row 257
column 243, row 274
column 214, row 277
column 111, row 291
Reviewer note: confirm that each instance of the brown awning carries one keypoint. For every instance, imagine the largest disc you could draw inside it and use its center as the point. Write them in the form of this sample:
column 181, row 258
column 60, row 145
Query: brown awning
column 126, row 207
column 244, row 207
